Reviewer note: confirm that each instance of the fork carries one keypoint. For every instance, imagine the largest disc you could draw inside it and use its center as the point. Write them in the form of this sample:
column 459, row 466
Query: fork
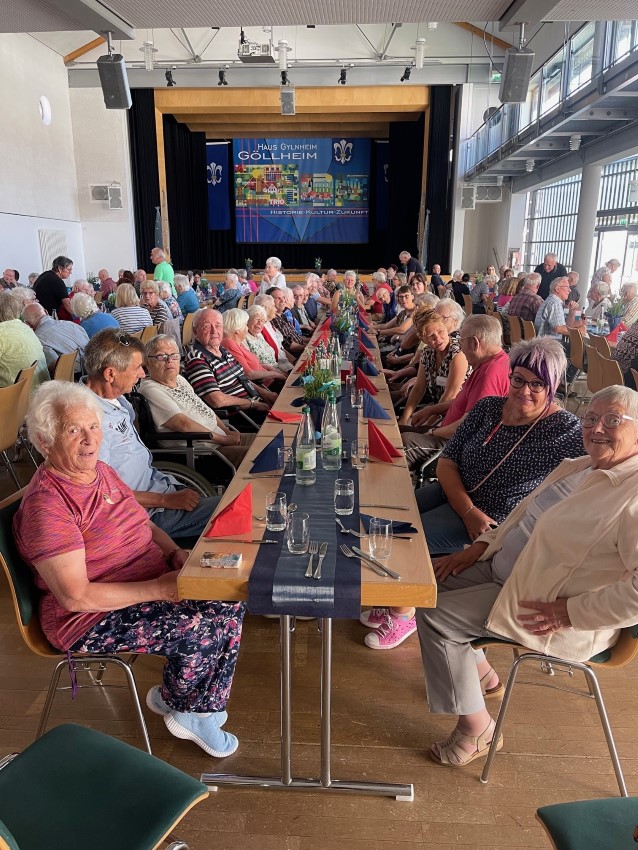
column 313, row 548
column 350, row 554
column 345, row 530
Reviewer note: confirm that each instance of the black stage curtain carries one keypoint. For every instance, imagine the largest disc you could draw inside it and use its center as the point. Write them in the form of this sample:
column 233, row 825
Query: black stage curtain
column 185, row 154
column 145, row 176
column 406, row 167
column 439, row 191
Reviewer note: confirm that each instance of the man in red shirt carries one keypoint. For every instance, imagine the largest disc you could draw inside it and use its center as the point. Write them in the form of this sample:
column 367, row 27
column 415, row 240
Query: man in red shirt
column 482, row 343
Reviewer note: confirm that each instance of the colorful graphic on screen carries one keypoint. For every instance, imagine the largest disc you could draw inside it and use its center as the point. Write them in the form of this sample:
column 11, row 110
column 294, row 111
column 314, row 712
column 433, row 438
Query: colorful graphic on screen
column 301, row 190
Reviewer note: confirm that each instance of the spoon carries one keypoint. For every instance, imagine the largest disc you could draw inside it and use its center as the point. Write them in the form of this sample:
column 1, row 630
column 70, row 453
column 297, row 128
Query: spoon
column 292, row 507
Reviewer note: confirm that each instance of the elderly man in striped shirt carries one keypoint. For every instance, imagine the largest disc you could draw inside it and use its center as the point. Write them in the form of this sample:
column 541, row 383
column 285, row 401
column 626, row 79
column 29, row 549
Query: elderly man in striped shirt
column 217, row 378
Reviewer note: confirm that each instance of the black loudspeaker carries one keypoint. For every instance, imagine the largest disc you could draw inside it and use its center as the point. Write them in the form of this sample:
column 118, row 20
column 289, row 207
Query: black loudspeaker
column 114, row 82
column 517, row 71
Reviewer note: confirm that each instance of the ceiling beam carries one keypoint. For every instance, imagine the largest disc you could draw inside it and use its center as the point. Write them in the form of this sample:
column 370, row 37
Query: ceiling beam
column 255, row 118
column 86, row 48
column 284, row 130
column 498, row 42
column 94, row 15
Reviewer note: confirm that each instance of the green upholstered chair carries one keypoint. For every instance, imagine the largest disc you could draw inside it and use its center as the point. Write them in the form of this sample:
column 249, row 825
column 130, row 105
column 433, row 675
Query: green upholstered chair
column 614, row 658
column 609, row 824
column 25, row 601
column 75, row 789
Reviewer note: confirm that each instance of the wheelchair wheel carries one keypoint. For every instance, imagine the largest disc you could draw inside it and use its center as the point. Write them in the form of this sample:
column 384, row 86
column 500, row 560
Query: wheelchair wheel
column 188, row 477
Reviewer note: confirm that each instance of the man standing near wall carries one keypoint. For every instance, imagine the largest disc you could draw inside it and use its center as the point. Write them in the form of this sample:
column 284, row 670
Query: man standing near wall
column 50, row 288
column 409, row 265
column 163, row 269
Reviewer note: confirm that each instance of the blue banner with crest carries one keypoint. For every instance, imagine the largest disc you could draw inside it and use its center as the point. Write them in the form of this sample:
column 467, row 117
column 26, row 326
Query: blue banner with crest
column 301, row 190
column 218, row 177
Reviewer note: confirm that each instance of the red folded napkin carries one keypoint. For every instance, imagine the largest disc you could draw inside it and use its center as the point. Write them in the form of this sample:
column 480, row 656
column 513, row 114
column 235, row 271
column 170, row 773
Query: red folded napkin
column 235, row 518
column 379, row 446
column 363, row 383
column 280, row 416
column 613, row 336
column 365, row 351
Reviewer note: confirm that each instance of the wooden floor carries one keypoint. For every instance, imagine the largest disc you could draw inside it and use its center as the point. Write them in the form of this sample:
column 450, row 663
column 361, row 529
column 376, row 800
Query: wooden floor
column 554, row 748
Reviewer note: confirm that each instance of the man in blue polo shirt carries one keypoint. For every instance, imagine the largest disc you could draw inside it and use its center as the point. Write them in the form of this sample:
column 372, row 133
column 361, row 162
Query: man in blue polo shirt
column 113, row 362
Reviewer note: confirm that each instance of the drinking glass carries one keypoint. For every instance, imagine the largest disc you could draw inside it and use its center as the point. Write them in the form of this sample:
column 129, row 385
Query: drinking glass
column 351, row 388
column 298, row 533
column 276, row 511
column 285, row 460
column 380, row 538
column 344, row 496
column 357, row 403
column 359, row 454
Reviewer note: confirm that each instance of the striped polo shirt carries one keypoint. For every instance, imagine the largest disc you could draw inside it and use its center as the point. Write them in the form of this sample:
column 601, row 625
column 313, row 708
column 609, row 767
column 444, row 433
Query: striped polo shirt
column 207, row 373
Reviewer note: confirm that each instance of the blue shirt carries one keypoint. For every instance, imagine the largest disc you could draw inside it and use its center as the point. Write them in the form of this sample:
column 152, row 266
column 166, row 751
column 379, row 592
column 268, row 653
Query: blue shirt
column 549, row 316
column 97, row 322
column 188, row 302
column 60, row 337
column 288, row 314
column 123, row 450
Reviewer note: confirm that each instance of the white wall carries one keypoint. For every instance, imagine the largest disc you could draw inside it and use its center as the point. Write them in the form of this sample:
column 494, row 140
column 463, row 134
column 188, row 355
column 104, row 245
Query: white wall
column 39, row 189
column 486, row 230
column 100, row 139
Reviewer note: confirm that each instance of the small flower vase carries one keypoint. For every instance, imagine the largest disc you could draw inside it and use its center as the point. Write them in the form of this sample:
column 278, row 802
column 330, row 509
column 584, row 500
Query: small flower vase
column 614, row 321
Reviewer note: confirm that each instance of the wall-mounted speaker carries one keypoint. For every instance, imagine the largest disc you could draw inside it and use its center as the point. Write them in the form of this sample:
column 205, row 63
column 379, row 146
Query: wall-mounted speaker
column 287, row 100
column 114, row 82
column 517, row 71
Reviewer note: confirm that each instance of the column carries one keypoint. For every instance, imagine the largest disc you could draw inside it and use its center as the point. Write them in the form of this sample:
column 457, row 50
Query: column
column 585, row 226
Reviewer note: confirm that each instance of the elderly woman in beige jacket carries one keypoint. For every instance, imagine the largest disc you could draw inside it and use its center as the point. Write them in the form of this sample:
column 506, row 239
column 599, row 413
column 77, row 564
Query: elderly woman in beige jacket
column 558, row 575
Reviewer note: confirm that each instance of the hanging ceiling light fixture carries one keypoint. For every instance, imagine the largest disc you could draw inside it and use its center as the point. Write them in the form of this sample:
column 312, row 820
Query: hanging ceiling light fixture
column 420, row 53
column 149, row 52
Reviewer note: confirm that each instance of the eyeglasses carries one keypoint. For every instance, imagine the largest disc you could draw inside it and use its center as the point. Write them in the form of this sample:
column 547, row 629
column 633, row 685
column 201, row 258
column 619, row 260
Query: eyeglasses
column 163, row 358
column 535, row 386
column 609, row 420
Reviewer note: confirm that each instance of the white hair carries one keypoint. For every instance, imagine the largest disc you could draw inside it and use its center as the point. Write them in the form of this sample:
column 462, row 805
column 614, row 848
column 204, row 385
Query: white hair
column 233, row 279
column 159, row 339
column 83, row 305
column 262, row 299
column 456, row 311
column 558, row 281
column 48, row 405
column 24, row 293
column 624, row 397
column 427, row 299
column 256, row 312
column 601, row 288
column 630, row 288
column 164, row 288
column 182, row 280
column 275, row 262
column 457, row 275
column 378, row 277
column 234, row 320
column 486, row 329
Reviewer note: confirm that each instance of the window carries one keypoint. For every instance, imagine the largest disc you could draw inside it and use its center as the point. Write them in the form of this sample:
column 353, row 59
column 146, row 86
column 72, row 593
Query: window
column 550, row 222
column 529, row 109
column 552, row 82
column 581, row 58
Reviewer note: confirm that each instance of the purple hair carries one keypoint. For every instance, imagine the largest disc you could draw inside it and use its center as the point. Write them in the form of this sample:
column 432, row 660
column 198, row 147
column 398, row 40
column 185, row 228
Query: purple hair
column 544, row 357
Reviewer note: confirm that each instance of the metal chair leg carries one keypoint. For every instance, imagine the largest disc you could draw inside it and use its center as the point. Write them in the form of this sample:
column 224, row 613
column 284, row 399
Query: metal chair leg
column 7, row 463
column 594, row 689
column 130, row 678
column 500, row 720
column 53, row 686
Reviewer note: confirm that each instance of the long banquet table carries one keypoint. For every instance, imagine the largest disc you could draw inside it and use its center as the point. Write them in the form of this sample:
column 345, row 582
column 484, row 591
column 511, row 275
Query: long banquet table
column 380, row 484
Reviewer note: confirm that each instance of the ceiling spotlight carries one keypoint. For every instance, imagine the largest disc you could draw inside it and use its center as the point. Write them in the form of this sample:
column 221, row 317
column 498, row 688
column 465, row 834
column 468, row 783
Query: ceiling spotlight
column 222, row 77
column 284, row 78
column 149, row 55
column 343, row 74
column 529, row 165
column 169, row 78
column 406, row 73
column 574, row 142
column 432, row 25
column 420, row 52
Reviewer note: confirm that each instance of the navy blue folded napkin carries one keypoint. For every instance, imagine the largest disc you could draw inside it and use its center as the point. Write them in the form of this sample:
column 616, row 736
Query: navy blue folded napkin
column 266, row 460
column 368, row 368
column 296, row 383
column 372, row 409
column 365, row 339
column 398, row 526
column 362, row 323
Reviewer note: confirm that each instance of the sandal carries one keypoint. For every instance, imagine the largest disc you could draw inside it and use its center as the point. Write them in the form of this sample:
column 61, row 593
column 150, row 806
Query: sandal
column 453, row 755
column 497, row 691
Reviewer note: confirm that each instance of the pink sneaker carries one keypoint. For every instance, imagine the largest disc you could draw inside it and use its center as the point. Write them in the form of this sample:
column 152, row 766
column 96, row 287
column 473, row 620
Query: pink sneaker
column 373, row 618
column 391, row 633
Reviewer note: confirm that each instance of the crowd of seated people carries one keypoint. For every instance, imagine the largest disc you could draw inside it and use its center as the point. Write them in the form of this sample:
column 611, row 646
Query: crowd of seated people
column 508, row 453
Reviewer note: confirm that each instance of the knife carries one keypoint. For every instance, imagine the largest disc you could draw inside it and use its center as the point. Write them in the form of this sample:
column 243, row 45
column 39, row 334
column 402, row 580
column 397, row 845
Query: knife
column 374, row 561
column 322, row 554
column 257, row 475
column 239, row 540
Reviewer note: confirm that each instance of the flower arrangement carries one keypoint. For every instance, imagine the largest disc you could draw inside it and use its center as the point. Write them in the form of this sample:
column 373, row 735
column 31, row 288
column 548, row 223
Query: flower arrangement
column 616, row 309
column 93, row 279
column 248, row 263
column 342, row 321
column 478, row 277
column 111, row 300
column 318, row 262
column 318, row 382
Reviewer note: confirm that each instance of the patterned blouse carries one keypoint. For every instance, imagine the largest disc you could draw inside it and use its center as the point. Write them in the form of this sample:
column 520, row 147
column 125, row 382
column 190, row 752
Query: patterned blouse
column 259, row 347
column 434, row 389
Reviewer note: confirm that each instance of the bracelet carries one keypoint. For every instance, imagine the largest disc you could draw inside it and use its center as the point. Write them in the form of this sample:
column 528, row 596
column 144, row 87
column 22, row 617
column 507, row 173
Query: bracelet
column 471, row 508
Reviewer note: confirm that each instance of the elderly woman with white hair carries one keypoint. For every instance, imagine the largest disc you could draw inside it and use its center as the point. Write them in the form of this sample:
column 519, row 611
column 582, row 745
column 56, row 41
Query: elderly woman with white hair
column 128, row 313
column 256, row 343
column 186, row 297
column 272, row 276
column 270, row 333
column 599, row 302
column 350, row 292
column 232, row 294
column 528, row 581
column 24, row 293
column 121, row 596
column 166, row 294
column 629, row 299
column 234, row 341
column 91, row 318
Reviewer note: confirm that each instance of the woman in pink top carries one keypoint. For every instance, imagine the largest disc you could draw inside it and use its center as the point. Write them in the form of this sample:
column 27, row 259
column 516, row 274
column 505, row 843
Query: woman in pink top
column 235, row 333
column 108, row 575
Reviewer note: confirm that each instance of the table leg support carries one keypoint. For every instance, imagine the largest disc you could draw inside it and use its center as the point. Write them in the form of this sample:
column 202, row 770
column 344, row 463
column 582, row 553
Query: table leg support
column 286, row 719
column 326, row 692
